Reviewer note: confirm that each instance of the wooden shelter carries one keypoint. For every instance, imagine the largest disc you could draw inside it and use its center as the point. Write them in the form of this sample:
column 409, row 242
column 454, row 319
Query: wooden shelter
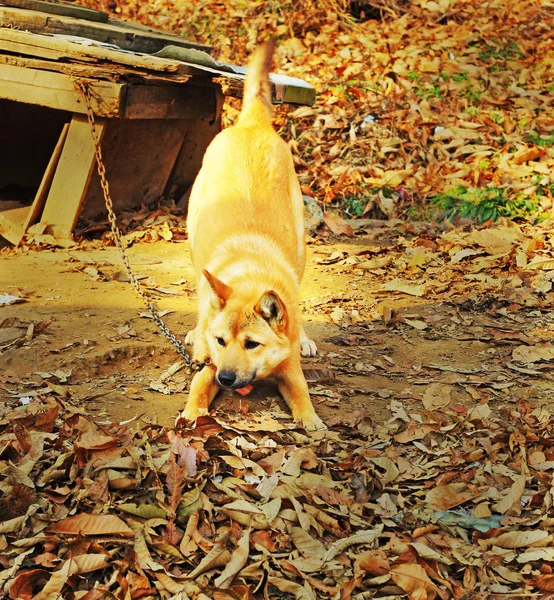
column 157, row 98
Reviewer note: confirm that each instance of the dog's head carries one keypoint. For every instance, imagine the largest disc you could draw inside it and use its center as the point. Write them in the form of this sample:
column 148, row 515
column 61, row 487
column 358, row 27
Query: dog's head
column 247, row 333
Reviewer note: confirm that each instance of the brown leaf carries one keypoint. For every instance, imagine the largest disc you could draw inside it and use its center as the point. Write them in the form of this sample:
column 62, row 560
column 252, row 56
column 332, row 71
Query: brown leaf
column 374, row 562
column 337, row 224
column 237, row 560
column 91, row 524
column 23, row 585
column 413, row 579
column 449, row 496
column 437, row 395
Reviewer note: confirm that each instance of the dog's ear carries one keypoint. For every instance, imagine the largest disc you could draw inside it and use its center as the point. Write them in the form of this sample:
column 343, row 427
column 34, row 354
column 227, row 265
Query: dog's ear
column 271, row 308
column 221, row 292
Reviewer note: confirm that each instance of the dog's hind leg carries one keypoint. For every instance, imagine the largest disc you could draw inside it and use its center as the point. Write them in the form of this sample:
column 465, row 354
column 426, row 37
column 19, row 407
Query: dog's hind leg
column 307, row 347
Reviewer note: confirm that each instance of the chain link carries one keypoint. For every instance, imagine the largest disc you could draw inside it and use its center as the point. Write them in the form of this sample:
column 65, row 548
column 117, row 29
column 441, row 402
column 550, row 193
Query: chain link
column 179, row 346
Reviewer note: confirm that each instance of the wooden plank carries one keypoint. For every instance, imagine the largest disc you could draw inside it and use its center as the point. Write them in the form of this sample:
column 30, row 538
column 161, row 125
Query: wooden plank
column 11, row 222
column 44, row 46
column 60, row 8
column 189, row 161
column 57, row 90
column 14, row 222
column 124, row 35
column 139, row 156
column 169, row 102
column 283, row 90
column 45, row 184
column 72, row 177
column 108, row 72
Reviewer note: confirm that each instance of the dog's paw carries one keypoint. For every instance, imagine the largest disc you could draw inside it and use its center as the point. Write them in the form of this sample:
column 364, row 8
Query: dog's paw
column 312, row 423
column 191, row 413
column 308, row 347
column 189, row 338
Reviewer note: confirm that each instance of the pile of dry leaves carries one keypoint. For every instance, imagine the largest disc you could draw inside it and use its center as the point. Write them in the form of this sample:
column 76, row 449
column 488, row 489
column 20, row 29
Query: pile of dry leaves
column 439, row 504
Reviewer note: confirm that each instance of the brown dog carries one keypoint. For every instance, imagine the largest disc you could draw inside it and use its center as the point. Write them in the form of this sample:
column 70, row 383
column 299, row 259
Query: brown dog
column 246, row 235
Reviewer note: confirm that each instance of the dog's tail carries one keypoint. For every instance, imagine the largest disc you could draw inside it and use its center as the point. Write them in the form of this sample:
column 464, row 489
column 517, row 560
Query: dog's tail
column 256, row 103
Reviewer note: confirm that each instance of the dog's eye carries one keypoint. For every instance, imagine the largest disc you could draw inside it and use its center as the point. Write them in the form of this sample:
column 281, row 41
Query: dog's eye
column 220, row 341
column 251, row 344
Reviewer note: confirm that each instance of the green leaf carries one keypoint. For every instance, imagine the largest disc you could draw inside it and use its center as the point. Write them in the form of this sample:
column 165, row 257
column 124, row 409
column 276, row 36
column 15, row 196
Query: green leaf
column 146, row 511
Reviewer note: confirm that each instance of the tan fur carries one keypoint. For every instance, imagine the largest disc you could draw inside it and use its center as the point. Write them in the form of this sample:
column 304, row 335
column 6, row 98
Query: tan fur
column 246, row 235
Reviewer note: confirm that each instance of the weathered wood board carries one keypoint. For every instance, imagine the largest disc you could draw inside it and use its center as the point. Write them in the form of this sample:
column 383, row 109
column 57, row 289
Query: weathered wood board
column 139, row 156
column 126, row 36
column 71, row 179
column 56, row 90
column 60, row 8
column 109, row 99
column 47, row 46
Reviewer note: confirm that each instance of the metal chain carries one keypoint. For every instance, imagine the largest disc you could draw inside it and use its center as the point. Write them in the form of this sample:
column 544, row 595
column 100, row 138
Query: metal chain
column 179, row 346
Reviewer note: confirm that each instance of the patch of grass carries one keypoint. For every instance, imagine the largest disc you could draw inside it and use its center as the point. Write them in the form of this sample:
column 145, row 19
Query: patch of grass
column 507, row 52
column 471, row 93
column 459, row 77
column 422, row 212
column 354, row 206
column 540, row 140
column 483, row 204
column 432, row 91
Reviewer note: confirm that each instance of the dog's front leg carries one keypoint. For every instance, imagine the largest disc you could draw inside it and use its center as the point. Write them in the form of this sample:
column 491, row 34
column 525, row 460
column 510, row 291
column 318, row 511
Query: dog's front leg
column 203, row 389
column 294, row 389
column 197, row 338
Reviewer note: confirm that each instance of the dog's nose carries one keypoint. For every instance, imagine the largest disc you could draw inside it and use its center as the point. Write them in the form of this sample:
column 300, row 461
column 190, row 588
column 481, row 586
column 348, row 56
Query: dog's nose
column 227, row 378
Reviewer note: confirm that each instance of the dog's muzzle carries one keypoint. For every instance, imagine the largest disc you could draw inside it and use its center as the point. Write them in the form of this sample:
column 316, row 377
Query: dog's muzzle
column 229, row 379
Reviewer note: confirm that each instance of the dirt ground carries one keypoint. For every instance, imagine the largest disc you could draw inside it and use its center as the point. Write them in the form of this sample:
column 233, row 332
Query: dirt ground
column 88, row 340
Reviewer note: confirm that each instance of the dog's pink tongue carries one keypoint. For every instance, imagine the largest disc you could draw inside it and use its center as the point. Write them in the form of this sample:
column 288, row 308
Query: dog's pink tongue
column 243, row 391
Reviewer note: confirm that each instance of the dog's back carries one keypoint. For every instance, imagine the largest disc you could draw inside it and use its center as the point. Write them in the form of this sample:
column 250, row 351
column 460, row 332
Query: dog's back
column 257, row 194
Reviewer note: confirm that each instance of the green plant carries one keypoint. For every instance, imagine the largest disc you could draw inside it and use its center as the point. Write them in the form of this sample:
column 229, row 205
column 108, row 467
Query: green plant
column 471, row 93
column 540, row 140
column 483, row 204
column 432, row 91
column 509, row 52
column 354, row 206
column 460, row 77
column 413, row 76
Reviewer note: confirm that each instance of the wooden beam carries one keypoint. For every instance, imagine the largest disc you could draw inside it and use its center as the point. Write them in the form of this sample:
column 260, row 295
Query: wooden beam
column 109, row 99
column 72, row 177
column 169, row 102
column 284, row 90
column 60, row 8
column 124, row 35
column 108, row 72
column 44, row 46
column 56, row 90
